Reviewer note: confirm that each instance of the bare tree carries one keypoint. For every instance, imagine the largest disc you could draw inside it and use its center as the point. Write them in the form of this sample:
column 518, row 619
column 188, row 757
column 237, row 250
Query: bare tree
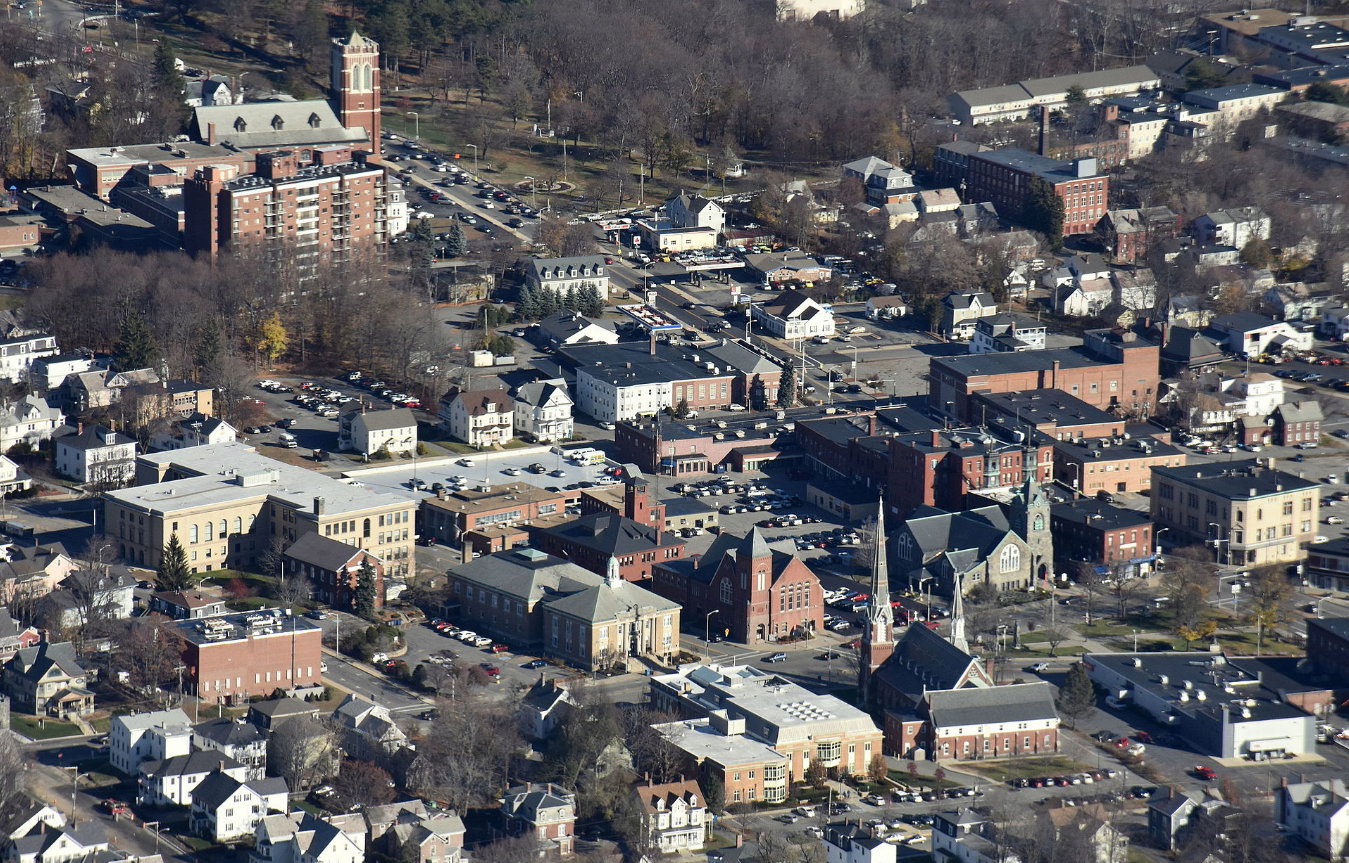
column 465, row 755
column 12, row 766
column 359, row 784
column 301, row 750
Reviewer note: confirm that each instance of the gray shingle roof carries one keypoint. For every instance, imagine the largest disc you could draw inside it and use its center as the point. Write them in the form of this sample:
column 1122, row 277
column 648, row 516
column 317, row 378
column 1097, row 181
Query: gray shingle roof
column 252, row 124
column 322, row 552
column 1022, row 702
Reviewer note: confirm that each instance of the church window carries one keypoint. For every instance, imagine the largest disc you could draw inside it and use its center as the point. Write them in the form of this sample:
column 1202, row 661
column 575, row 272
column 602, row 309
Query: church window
column 1039, row 523
column 726, row 590
column 1010, row 559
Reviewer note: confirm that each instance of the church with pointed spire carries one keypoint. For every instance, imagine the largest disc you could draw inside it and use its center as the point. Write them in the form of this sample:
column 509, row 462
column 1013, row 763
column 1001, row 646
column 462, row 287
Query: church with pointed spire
column 744, row 589
column 878, row 630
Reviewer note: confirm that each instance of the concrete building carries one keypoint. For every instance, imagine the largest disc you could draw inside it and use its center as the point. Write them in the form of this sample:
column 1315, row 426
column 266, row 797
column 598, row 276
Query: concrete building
column 330, row 207
column 392, row 431
column 748, row 769
column 101, row 170
column 1249, row 513
column 1235, row 104
column 529, row 599
column 1218, row 707
column 228, row 504
column 1015, row 101
column 139, row 737
column 792, row 720
column 479, row 418
column 236, row 656
column 98, row 456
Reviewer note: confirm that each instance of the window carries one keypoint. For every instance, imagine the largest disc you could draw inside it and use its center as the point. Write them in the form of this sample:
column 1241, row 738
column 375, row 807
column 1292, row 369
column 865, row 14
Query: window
column 192, row 533
column 1010, row 559
column 829, row 750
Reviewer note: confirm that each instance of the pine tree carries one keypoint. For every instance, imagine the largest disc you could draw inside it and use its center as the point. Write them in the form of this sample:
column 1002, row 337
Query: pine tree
column 569, row 299
column 590, row 302
column 135, row 347
column 1077, row 698
column 173, row 572
column 457, row 245
column 1044, row 211
column 364, row 603
column 787, row 389
column 528, row 306
column 208, row 346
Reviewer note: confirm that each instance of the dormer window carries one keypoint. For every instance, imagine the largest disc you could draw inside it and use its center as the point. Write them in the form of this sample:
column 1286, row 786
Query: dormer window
column 314, row 121
column 240, row 125
column 277, row 123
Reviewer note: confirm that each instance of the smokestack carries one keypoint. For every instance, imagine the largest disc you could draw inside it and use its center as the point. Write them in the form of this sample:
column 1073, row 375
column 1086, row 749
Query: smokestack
column 1044, row 128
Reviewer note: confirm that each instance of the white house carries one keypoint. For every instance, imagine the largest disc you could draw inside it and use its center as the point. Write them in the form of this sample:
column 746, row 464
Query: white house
column 1247, row 334
column 854, row 843
column 570, row 328
column 12, row 478
column 172, row 781
column 543, row 410
column 393, row 430
column 543, row 708
column 29, row 420
column 17, row 354
column 674, row 816
column 1008, row 333
column 1317, row 813
column 369, row 730
column 1234, row 227
column 215, row 90
column 793, row 315
column 960, row 310
column 97, row 455
column 563, row 274
column 695, row 211
column 243, row 741
column 139, row 737
column 1085, row 299
column 89, row 595
column 225, row 808
column 396, row 207
column 299, row 837
column 68, row 843
column 195, row 430
column 963, row 836
column 49, row 371
column 479, row 418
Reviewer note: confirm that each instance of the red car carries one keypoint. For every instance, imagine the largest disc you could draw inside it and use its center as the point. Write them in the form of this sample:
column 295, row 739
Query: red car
column 1142, row 737
column 1205, row 773
column 1122, row 742
column 492, row 670
column 499, row 648
column 854, row 644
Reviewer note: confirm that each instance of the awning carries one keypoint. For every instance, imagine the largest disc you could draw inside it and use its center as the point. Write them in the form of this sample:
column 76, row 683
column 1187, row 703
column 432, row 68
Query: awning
column 1267, row 745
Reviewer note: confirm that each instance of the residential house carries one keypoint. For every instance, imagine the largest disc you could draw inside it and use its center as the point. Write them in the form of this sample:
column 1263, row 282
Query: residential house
column 30, row 420
column 960, row 311
column 1247, row 334
column 370, row 432
column 1087, row 830
column 966, row 836
column 368, row 729
column 12, row 477
column 300, row 837
column 883, row 182
column 97, row 456
column 21, row 815
column 530, row 599
column 886, row 308
column 1233, row 227
column 850, row 842
column 1328, row 565
column 47, row 680
column 68, row 843
column 563, row 274
column 243, row 741
column 19, row 350
column 172, row 781
column 1135, row 290
column 87, row 596
column 334, row 568
column 13, row 636
column 568, row 327
column 1189, row 350
column 1129, row 234
column 1298, row 422
column 212, row 90
column 152, row 399
column 543, row 410
column 227, row 809
column 479, row 418
column 100, row 388
column 1298, row 301
column 271, row 714
column 1008, row 332
column 546, row 812
column 778, row 268
column 674, row 816
column 194, row 430
column 544, row 707
column 33, row 572
column 47, row 373
column 793, row 315
column 187, row 604
column 436, row 839
column 1170, row 814
column 695, row 211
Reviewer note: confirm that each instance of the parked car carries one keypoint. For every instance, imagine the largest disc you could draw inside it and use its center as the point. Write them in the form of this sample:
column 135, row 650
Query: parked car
column 776, row 657
column 1208, row 774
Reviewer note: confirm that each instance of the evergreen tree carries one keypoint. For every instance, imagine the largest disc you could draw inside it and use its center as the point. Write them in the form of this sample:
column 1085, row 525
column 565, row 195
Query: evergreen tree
column 590, row 301
column 549, row 302
column 135, row 347
column 364, row 603
column 1044, row 211
column 528, row 307
column 208, row 346
column 1323, row 91
column 569, row 299
column 422, row 233
column 173, row 572
column 457, row 245
column 787, row 389
column 1077, row 698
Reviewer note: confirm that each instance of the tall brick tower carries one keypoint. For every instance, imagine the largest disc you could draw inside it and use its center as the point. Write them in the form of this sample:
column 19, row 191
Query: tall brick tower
column 878, row 630
column 355, row 89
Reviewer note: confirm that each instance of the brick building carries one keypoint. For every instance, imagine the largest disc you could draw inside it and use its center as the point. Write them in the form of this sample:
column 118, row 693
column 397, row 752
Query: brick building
column 1095, row 532
column 333, row 207
column 333, row 568
column 636, row 537
column 1112, row 369
column 1297, row 422
column 547, row 813
column 481, row 519
column 1129, row 233
column 1113, row 464
column 690, row 447
column 1007, row 177
column 237, row 656
column 757, row 595
column 1052, row 412
column 1328, row 645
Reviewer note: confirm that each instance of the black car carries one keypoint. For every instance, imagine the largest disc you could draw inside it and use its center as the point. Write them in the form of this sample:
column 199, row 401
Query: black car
column 535, row 663
column 285, row 423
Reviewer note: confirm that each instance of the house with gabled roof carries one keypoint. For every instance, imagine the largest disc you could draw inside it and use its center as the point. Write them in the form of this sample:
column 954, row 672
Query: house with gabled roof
column 960, row 311
column 135, row 738
column 568, row 327
column 225, row 808
column 1317, row 813
column 333, row 568
column 793, row 315
column 47, row 680
column 436, row 839
column 22, row 814
column 695, row 211
column 67, row 843
column 368, row 729
column 543, row 409
column 856, row 843
column 34, row 571
column 543, row 708
column 13, row 636
column 974, row 546
column 976, row 723
column 29, row 420
column 98, row 455
column 674, row 815
column 243, row 741
column 172, row 781
column 196, row 429
column 368, row 432
column 546, row 812
column 300, row 837
column 479, row 418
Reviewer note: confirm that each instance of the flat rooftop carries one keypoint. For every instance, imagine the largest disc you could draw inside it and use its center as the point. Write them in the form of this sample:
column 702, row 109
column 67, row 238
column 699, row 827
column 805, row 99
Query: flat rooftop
column 1209, row 681
column 1237, row 480
column 134, row 154
column 699, row 739
column 241, row 626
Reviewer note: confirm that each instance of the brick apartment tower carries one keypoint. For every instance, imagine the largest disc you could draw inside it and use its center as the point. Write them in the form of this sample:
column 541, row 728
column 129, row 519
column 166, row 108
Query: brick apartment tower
column 878, row 631
column 355, row 88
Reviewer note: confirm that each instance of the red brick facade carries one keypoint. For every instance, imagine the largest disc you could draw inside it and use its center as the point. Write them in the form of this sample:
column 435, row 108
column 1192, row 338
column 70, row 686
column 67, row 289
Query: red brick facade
column 256, row 665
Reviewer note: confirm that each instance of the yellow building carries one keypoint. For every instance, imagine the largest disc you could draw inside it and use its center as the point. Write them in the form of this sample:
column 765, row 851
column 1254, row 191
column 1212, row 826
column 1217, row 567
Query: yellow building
column 1252, row 513
column 229, row 504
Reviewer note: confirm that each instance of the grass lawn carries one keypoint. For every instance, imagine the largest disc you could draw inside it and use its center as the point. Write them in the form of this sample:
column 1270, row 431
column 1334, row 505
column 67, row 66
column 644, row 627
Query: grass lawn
column 101, row 724
column 28, row 726
column 1025, row 768
column 1102, row 629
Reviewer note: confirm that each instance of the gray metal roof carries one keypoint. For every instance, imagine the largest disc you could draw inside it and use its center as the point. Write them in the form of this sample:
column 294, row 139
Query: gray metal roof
column 1236, row 480
column 254, row 124
column 1022, row 702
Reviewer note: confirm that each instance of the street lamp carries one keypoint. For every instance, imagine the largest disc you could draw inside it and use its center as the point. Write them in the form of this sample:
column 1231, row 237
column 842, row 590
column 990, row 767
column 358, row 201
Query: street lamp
column 533, row 201
column 927, row 603
column 416, row 124
column 1217, row 540
column 707, row 626
column 475, row 158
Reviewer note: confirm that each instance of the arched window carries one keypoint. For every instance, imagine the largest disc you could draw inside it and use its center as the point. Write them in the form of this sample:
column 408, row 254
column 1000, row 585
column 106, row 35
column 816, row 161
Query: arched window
column 367, row 78
column 224, row 528
column 238, row 524
column 1039, row 522
column 1010, row 559
column 726, row 590
column 192, row 533
column 367, row 529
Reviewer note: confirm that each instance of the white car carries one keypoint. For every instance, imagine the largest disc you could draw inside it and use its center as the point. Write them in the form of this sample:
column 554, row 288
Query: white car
column 735, row 407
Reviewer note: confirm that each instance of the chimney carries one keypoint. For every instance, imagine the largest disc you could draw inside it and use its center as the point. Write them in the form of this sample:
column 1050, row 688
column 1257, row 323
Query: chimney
column 871, row 424
column 79, row 428
column 1054, row 376
column 320, row 505
column 936, row 437
column 210, row 133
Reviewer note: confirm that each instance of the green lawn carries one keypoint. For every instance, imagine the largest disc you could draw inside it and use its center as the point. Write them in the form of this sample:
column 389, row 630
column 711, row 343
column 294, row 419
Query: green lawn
column 29, row 727
column 101, row 724
column 1102, row 629
column 1025, row 768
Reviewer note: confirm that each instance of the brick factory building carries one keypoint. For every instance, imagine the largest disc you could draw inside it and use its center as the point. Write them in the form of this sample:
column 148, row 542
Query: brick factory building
column 237, row 656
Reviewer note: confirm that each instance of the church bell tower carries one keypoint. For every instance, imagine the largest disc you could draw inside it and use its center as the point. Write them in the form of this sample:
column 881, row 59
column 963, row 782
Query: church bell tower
column 355, row 86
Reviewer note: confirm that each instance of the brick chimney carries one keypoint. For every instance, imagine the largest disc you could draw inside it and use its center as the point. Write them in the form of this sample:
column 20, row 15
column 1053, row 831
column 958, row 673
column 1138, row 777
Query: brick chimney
column 210, row 133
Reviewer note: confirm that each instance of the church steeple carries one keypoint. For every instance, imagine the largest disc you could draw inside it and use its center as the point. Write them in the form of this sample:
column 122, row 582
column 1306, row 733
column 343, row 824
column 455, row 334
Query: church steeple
column 958, row 614
column 878, row 636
